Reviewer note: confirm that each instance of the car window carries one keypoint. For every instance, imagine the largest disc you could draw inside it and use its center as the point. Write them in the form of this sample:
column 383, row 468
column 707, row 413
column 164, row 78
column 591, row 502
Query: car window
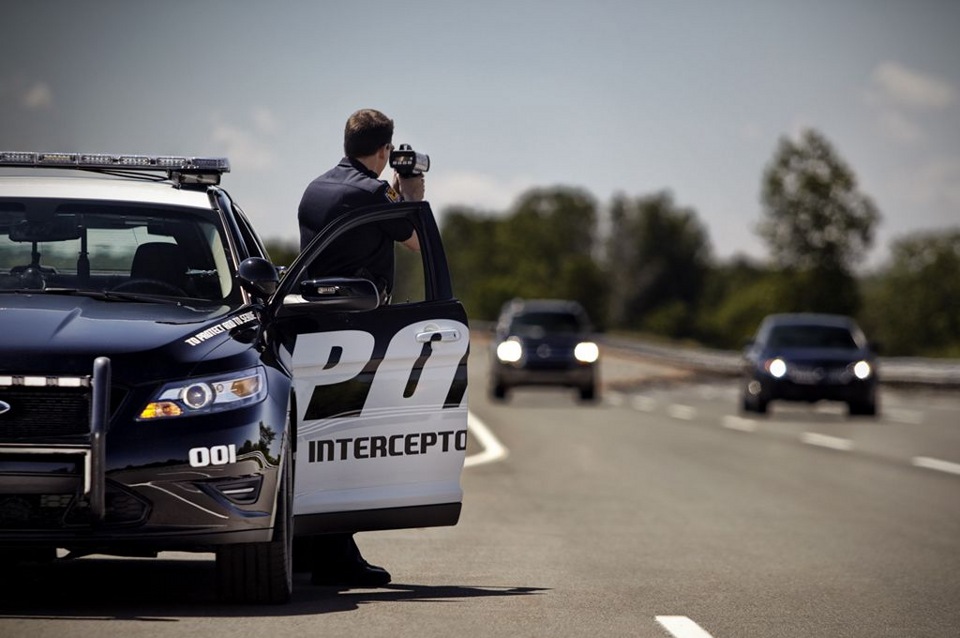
column 546, row 322
column 102, row 246
column 811, row 337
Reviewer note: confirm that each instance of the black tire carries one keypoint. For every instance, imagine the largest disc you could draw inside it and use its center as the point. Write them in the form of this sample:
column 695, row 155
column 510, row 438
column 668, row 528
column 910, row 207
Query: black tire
column 499, row 391
column 262, row 573
column 588, row 393
column 753, row 404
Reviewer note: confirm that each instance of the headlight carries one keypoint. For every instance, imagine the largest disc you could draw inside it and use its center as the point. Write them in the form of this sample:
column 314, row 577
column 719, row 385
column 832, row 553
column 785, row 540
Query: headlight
column 207, row 394
column 509, row 351
column 776, row 367
column 862, row 370
column 586, row 352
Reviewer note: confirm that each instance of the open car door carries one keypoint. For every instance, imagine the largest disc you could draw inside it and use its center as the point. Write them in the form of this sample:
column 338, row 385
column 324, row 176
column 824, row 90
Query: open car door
column 379, row 408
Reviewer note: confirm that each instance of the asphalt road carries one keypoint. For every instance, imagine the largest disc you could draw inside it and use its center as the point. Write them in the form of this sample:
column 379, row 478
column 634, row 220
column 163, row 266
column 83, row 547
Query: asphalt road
column 658, row 511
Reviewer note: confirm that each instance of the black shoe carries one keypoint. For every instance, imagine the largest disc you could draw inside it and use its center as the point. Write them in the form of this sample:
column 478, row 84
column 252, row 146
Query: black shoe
column 355, row 574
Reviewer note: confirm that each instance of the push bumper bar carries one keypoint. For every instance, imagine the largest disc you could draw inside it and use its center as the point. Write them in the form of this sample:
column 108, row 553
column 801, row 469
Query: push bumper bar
column 92, row 486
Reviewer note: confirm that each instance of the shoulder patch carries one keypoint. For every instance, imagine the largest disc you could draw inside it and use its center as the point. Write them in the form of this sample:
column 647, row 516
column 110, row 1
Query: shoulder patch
column 392, row 195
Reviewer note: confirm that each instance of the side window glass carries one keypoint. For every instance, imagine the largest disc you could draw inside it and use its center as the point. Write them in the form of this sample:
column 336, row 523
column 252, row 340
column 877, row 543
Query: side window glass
column 366, row 252
column 409, row 283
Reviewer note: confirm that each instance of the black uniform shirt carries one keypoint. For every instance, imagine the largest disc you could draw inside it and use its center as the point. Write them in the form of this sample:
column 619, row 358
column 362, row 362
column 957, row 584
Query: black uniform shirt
column 366, row 251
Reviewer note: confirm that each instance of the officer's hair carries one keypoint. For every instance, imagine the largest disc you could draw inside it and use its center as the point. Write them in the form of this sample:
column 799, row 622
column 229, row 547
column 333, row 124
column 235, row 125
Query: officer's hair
column 367, row 130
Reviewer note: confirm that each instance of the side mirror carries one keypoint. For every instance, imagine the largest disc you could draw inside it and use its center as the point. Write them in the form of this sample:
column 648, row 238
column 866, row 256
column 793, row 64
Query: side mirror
column 258, row 276
column 334, row 293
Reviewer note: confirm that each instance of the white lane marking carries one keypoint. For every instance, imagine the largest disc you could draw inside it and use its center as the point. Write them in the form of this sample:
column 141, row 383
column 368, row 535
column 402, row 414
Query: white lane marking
column 739, row 423
column 644, row 404
column 684, row 412
column 493, row 450
column 682, row 627
column 614, row 399
column 910, row 417
column 936, row 464
column 823, row 440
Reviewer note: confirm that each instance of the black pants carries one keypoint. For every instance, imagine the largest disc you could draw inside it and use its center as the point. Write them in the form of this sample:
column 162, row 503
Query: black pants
column 332, row 550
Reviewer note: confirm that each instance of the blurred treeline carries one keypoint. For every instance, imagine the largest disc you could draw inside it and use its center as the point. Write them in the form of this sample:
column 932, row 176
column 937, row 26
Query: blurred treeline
column 644, row 265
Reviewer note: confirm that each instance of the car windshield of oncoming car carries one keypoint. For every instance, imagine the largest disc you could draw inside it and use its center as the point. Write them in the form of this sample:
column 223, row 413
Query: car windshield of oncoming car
column 811, row 337
column 95, row 246
column 540, row 323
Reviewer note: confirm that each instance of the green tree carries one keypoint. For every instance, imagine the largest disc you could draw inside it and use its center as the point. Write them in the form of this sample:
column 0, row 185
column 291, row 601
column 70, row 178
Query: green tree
column 914, row 307
column 547, row 246
column 470, row 241
column 814, row 216
column 282, row 252
column 817, row 224
column 658, row 256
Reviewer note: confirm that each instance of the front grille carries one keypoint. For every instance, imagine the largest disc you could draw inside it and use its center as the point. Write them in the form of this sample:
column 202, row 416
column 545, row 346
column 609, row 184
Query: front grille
column 44, row 413
column 826, row 372
column 48, row 413
column 544, row 356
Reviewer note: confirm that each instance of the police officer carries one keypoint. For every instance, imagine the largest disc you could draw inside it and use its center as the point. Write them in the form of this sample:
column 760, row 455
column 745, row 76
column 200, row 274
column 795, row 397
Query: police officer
column 366, row 251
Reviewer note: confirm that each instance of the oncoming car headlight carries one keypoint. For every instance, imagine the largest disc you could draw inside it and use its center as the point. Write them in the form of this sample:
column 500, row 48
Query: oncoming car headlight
column 509, row 351
column 776, row 367
column 586, row 352
column 204, row 395
column 862, row 370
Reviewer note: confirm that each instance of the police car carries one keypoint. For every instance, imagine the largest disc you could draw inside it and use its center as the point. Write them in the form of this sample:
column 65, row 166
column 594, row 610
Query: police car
column 163, row 386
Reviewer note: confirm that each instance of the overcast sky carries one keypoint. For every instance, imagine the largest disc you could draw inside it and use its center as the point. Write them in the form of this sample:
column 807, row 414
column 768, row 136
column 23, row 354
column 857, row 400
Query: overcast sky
column 631, row 97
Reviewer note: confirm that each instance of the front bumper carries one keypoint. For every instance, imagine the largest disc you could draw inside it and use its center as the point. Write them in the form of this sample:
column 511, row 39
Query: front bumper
column 576, row 375
column 185, row 486
column 788, row 390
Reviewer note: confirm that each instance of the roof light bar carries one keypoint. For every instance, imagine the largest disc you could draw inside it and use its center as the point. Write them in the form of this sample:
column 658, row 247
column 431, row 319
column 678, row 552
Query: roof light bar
column 166, row 164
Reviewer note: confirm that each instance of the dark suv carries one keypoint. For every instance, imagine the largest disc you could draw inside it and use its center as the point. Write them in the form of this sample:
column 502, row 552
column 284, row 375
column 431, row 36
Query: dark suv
column 544, row 342
column 809, row 357
column 164, row 386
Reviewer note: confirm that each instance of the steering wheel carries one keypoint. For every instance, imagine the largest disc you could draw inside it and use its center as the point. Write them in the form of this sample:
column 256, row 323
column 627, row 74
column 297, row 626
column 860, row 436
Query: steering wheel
column 150, row 286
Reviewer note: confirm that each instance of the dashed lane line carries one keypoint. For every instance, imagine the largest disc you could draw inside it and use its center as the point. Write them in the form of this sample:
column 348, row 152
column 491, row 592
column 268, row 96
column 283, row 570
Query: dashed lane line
column 823, row 440
column 644, row 404
column 682, row 627
column 739, row 423
column 936, row 464
column 684, row 412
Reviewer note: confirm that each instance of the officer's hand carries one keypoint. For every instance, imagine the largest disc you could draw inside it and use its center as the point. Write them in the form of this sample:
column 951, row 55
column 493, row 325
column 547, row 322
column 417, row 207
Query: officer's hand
column 412, row 188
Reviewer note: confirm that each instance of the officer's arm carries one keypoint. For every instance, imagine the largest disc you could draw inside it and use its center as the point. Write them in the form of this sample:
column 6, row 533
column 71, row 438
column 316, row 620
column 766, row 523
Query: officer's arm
column 412, row 242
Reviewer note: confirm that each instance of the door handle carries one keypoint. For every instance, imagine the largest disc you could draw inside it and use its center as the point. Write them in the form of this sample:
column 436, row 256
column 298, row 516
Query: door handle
column 430, row 334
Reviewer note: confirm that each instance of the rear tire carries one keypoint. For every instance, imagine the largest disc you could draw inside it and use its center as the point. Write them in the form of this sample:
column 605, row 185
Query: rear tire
column 262, row 573
column 499, row 391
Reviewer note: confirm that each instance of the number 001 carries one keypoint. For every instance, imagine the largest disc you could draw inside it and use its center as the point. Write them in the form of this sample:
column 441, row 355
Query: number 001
column 216, row 455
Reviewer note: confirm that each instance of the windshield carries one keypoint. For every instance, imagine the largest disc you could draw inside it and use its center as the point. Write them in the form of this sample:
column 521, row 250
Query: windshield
column 546, row 323
column 811, row 337
column 103, row 247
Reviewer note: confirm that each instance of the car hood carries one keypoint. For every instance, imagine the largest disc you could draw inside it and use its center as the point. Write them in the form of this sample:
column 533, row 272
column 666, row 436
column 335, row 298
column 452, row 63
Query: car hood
column 52, row 332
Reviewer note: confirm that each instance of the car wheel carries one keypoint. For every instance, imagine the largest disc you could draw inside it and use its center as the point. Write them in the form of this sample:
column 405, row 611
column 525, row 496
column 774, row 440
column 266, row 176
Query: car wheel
column 499, row 391
column 749, row 403
column 862, row 408
column 262, row 573
column 588, row 393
